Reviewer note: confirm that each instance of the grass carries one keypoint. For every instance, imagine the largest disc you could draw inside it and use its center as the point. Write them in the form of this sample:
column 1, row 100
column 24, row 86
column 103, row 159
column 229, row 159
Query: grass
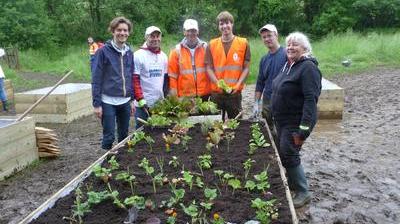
column 366, row 51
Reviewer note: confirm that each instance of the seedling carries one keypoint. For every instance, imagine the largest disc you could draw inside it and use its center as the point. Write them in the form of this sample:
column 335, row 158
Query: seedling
column 232, row 124
column 191, row 210
column 160, row 162
column 219, row 173
column 217, row 219
column 266, row 211
column 229, row 136
column 124, row 176
column 199, row 182
column 157, row 179
column 136, row 201
column 150, row 171
column 247, row 166
column 250, row 185
column 171, row 220
column 257, row 140
column 79, row 208
column 205, row 161
column 150, row 141
column 96, row 197
column 103, row 173
column 222, row 85
column 114, row 165
column 188, row 178
column 235, row 184
column 178, row 195
column 174, row 162
column 185, row 140
column 262, row 181
column 170, row 139
column 137, row 137
column 207, row 107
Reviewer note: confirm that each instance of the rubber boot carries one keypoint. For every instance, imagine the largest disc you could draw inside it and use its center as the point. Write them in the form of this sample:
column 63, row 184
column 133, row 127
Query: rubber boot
column 298, row 181
column 4, row 105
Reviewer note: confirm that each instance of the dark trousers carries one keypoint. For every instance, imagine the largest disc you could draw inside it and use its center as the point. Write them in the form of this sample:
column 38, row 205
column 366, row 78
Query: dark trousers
column 140, row 113
column 288, row 151
column 119, row 114
column 229, row 103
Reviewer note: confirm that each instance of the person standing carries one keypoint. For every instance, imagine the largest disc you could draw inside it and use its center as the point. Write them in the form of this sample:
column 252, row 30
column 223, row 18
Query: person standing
column 186, row 68
column 269, row 68
column 93, row 47
column 150, row 79
column 112, row 90
column 295, row 93
column 3, row 94
column 228, row 59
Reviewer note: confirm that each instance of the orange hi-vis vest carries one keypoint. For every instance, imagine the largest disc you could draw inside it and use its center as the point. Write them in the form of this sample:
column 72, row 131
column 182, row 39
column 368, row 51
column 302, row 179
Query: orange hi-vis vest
column 93, row 48
column 228, row 66
column 184, row 77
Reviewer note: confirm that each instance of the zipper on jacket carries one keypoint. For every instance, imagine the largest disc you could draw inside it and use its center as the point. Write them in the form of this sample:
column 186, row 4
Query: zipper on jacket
column 123, row 76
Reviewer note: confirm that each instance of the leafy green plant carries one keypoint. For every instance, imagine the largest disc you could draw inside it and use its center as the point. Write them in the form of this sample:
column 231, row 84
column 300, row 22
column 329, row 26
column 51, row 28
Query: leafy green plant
column 192, row 210
column 185, row 140
column 160, row 162
column 125, row 176
column 199, row 182
column 257, row 140
column 79, row 207
column 158, row 121
column 232, row 124
column 207, row 107
column 222, row 85
column 188, row 178
column 266, row 211
column 96, row 197
column 157, row 179
column 250, row 185
column 150, row 172
column 150, row 141
column 136, row 201
column 103, row 173
column 262, row 181
column 229, row 136
column 210, row 195
column 235, row 184
column 170, row 139
column 205, row 161
column 247, row 166
column 219, row 173
column 136, row 138
column 171, row 220
column 177, row 196
column 174, row 162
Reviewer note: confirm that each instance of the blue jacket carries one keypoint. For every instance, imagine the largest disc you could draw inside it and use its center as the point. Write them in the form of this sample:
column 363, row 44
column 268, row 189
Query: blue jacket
column 295, row 93
column 107, row 77
column 269, row 68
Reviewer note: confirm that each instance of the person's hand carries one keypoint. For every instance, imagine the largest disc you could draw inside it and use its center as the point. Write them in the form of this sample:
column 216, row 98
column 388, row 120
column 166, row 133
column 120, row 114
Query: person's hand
column 143, row 104
column 256, row 109
column 300, row 136
column 133, row 109
column 98, row 111
column 236, row 88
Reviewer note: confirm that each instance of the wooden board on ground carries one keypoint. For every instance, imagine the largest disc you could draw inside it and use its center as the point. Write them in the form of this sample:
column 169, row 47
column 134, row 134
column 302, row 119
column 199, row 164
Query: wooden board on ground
column 17, row 145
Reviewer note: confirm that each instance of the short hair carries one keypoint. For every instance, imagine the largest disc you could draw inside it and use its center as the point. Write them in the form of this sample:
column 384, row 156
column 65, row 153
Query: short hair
column 300, row 38
column 118, row 20
column 225, row 16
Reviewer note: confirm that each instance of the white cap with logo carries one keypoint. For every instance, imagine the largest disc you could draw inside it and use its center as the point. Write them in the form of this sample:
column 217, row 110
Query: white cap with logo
column 151, row 29
column 268, row 27
column 190, row 24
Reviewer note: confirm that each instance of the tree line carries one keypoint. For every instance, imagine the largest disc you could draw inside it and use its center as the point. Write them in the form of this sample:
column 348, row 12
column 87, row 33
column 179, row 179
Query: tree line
column 54, row 23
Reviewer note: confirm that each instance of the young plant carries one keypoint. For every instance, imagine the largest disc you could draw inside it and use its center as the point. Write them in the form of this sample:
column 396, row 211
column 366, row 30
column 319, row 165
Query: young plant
column 124, row 176
column 137, row 137
column 136, row 201
column 170, row 139
column 222, row 85
column 157, row 179
column 205, row 161
column 205, row 127
column 79, row 207
column 96, row 197
column 174, row 162
column 160, row 162
column 185, row 140
column 188, row 178
column 199, row 182
column 150, row 171
column 192, row 210
column 247, row 166
column 266, row 211
column 232, row 124
column 210, row 195
column 235, row 184
column 177, row 196
column 257, row 140
column 260, row 184
column 150, row 141
column 158, row 121
column 103, row 173
column 217, row 219
column 114, row 165
column 229, row 136
column 219, row 173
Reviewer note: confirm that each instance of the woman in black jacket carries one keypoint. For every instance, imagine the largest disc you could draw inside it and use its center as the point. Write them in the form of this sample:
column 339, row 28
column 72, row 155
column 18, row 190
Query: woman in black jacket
column 295, row 93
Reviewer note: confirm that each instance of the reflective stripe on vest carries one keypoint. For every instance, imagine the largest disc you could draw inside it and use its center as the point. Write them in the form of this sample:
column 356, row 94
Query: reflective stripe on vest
column 228, row 66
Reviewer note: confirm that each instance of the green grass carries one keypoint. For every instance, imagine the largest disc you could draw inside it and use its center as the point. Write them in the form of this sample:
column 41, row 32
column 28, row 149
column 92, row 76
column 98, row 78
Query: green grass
column 366, row 51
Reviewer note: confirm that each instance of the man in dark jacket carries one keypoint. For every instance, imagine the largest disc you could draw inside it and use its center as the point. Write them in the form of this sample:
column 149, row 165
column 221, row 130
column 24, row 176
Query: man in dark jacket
column 269, row 68
column 112, row 90
column 295, row 93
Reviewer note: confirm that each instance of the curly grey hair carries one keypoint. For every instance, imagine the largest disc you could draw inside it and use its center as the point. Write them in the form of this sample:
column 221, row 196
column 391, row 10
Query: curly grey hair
column 302, row 39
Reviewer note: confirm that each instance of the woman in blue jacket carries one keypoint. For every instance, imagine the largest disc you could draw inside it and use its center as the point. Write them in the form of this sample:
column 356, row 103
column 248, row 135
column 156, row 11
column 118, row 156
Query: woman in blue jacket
column 295, row 93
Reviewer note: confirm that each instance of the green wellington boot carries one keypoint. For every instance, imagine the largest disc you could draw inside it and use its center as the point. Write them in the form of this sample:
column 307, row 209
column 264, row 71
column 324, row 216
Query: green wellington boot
column 298, row 181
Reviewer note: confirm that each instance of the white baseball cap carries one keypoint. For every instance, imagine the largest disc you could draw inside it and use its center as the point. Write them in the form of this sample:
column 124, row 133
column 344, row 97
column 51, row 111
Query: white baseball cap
column 2, row 53
column 268, row 27
column 151, row 29
column 190, row 24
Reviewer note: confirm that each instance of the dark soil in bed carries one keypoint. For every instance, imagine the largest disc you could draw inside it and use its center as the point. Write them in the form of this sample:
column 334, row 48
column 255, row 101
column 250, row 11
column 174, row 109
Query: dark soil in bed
column 235, row 208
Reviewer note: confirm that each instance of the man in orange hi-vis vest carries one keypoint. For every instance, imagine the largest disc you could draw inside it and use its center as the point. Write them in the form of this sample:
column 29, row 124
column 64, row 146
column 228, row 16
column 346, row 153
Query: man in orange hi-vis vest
column 227, row 61
column 93, row 47
column 186, row 68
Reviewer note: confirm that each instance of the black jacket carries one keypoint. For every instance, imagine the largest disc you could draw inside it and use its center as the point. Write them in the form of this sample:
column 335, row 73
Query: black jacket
column 295, row 93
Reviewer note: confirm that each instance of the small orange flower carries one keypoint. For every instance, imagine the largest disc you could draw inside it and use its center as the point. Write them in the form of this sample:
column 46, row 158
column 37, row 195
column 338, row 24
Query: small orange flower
column 174, row 214
column 216, row 216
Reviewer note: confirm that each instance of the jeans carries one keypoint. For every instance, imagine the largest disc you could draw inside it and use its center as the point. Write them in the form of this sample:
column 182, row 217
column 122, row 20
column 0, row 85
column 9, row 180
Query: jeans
column 112, row 114
column 140, row 113
column 3, row 95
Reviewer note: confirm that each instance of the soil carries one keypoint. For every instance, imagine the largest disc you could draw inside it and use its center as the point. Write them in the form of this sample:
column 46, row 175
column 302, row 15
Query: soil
column 352, row 165
column 234, row 207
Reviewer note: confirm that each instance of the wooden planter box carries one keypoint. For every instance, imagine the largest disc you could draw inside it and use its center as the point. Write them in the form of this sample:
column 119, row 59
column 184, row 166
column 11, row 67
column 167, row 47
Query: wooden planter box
column 64, row 194
column 17, row 144
column 66, row 103
column 331, row 101
column 9, row 90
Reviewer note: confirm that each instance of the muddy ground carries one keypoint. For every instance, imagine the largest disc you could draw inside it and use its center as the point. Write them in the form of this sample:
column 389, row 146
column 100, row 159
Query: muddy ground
column 352, row 165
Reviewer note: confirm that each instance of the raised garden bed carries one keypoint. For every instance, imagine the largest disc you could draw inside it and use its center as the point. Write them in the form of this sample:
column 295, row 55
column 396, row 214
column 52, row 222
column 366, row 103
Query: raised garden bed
column 234, row 206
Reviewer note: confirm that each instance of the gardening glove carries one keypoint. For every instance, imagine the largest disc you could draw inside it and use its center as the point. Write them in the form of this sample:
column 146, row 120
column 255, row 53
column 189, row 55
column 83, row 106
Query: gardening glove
column 257, row 109
column 143, row 104
column 301, row 135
